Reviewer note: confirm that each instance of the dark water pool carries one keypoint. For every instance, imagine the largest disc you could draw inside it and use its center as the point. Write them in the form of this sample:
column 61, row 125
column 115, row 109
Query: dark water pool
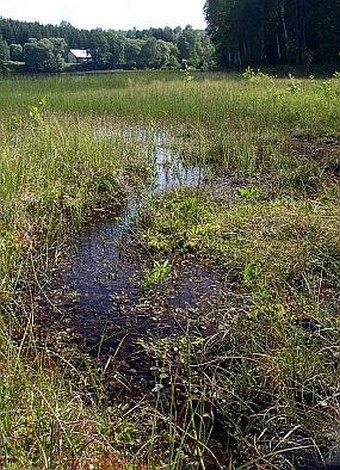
column 100, row 291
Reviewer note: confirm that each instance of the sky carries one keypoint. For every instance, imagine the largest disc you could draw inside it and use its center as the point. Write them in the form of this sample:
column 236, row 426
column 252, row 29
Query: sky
column 108, row 14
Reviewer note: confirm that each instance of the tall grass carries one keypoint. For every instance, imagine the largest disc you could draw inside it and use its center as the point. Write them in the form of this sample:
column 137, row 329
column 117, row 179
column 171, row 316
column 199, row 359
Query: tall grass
column 215, row 100
column 53, row 168
column 269, row 226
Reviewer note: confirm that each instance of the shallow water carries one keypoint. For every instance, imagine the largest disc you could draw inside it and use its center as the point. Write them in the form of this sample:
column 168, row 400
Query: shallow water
column 100, row 289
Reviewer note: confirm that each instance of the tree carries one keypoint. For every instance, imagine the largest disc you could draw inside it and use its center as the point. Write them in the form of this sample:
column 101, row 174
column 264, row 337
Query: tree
column 322, row 31
column 187, row 43
column 44, row 55
column 4, row 54
column 116, row 43
column 207, row 53
column 132, row 51
column 257, row 32
column 195, row 47
column 151, row 54
column 148, row 48
column 168, row 34
column 100, row 49
column 16, row 52
column 220, row 16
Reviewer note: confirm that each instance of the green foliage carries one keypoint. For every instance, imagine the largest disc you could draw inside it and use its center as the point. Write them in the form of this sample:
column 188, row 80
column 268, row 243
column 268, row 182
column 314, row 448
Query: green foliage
column 188, row 76
column 36, row 111
column 157, row 273
column 256, row 76
column 195, row 48
column 294, row 86
column 151, row 54
column 249, row 241
column 4, row 53
column 16, row 52
column 255, row 280
column 44, row 55
column 155, row 48
column 131, row 53
column 260, row 32
column 247, row 193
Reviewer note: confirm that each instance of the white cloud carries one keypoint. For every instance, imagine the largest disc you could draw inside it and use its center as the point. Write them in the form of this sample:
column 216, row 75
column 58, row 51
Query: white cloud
column 114, row 14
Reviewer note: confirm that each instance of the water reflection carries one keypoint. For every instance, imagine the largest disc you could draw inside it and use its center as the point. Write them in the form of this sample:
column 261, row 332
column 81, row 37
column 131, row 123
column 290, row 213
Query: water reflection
column 102, row 287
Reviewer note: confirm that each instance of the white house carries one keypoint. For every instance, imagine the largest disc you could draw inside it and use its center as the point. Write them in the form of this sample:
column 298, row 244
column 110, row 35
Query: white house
column 77, row 56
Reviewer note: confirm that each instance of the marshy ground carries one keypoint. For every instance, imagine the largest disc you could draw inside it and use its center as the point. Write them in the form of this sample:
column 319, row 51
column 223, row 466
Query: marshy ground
column 169, row 271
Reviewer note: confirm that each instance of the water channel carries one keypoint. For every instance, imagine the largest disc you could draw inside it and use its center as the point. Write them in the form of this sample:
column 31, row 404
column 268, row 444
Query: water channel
column 99, row 293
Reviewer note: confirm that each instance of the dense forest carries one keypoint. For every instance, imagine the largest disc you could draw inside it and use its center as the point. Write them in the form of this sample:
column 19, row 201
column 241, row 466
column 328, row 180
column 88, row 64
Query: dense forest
column 273, row 32
column 44, row 47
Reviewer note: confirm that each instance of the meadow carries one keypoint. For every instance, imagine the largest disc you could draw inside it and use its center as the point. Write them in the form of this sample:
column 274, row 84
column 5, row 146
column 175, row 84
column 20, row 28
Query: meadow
column 248, row 376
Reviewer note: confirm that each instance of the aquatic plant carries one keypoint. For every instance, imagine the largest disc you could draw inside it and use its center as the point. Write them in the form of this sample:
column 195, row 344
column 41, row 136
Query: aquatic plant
column 157, row 273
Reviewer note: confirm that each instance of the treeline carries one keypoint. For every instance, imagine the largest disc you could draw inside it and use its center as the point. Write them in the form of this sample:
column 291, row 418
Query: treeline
column 274, row 32
column 45, row 47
